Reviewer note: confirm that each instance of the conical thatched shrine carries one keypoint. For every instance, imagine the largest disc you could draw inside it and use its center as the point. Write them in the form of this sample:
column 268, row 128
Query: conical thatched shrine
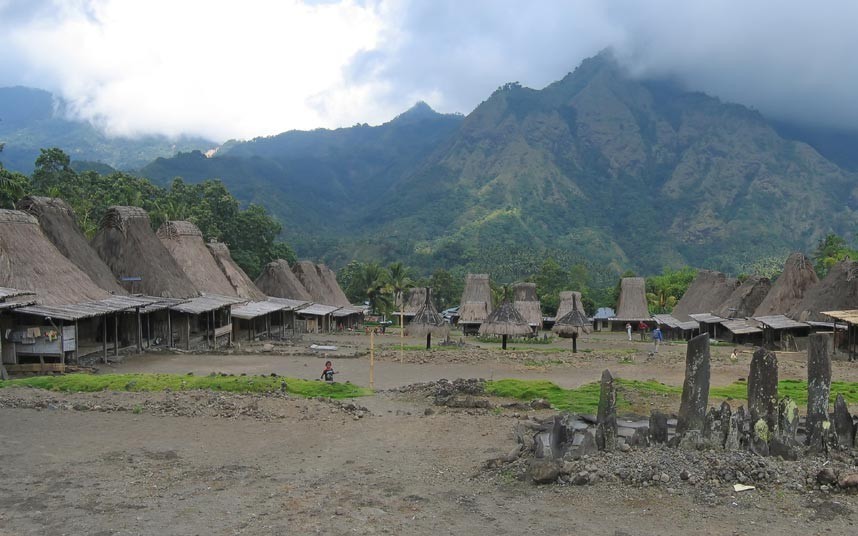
column 572, row 323
column 790, row 287
column 568, row 300
column 505, row 321
column 427, row 321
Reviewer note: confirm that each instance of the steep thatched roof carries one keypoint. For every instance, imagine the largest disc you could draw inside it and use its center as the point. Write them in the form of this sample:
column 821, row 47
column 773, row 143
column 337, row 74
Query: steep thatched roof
column 505, row 320
column 427, row 320
column 705, row 294
column 745, row 299
column 790, row 287
column 527, row 304
column 185, row 243
column 568, row 299
column 632, row 303
column 414, row 299
column 59, row 224
column 29, row 261
column 335, row 293
column 278, row 280
column 126, row 243
column 321, row 282
column 240, row 282
column 476, row 304
column 574, row 322
column 837, row 291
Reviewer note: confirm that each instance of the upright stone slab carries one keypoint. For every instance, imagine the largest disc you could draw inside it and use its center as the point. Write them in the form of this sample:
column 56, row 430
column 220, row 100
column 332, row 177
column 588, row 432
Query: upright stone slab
column 695, row 389
column 763, row 388
column 787, row 420
column 843, row 424
column 726, row 422
column 818, row 389
column 658, row 429
column 559, row 437
column 606, row 420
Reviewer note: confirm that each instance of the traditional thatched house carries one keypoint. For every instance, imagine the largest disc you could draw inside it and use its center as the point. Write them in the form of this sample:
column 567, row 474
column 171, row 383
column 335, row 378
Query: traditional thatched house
column 278, row 280
column 568, row 300
column 790, row 287
column 741, row 331
column 745, row 299
column 413, row 300
column 673, row 329
column 333, row 292
column 705, row 294
column 126, row 243
column 476, row 304
column 185, row 243
column 573, row 323
column 631, row 305
column 527, row 304
column 838, row 291
column 59, row 224
column 269, row 319
column 203, row 322
column 427, row 321
column 241, row 283
column 505, row 321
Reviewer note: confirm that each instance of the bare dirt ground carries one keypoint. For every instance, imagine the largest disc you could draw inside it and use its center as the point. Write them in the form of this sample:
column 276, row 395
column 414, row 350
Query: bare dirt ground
column 207, row 463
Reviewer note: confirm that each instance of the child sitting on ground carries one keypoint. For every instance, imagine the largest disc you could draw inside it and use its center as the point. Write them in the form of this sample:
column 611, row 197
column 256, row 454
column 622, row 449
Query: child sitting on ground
column 328, row 373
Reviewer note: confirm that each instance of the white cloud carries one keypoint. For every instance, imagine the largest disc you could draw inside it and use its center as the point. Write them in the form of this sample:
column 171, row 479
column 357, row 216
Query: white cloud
column 238, row 69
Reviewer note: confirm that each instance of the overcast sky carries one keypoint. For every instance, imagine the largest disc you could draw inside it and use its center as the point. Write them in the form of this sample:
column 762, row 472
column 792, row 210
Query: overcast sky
column 238, row 69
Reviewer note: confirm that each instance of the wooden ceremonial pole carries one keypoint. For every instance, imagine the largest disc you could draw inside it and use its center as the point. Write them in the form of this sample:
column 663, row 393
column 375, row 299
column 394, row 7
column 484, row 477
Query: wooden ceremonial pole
column 401, row 334
column 371, row 358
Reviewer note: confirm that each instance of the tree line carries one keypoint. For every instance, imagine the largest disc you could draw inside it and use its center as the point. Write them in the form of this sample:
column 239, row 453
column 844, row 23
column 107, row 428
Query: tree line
column 251, row 232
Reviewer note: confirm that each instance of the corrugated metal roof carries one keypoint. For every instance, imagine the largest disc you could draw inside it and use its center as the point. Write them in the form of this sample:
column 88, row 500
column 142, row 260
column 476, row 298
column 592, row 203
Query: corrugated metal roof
column 742, row 326
column 6, row 292
column 15, row 304
column 667, row 320
column 707, row 318
column 348, row 311
column 690, row 325
column 779, row 322
column 317, row 309
column 206, row 303
column 111, row 305
column 290, row 304
column 252, row 310
column 603, row 313
column 850, row 316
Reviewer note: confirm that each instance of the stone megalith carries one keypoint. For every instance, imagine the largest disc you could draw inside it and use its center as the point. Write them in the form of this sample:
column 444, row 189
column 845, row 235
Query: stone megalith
column 606, row 420
column 763, row 388
column 843, row 425
column 818, row 389
column 695, row 389
column 787, row 420
column 726, row 415
column 658, row 429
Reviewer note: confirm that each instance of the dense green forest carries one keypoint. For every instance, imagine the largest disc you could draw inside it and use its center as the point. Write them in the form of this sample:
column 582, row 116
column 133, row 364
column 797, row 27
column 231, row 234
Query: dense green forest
column 251, row 232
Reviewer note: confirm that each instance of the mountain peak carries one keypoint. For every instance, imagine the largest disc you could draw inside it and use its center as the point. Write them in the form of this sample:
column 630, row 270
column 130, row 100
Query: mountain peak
column 418, row 112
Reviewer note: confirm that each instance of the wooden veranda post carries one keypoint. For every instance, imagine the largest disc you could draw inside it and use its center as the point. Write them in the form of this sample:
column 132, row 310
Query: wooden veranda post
column 116, row 335
column 104, row 340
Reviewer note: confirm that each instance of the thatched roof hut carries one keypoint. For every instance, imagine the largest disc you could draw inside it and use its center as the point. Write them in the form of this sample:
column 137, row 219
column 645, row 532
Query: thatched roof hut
column 278, row 280
column 527, row 304
column 126, row 243
column 334, row 292
column 745, row 299
column 632, row 304
column 705, row 294
column 837, row 291
column 505, row 321
column 427, row 321
column 568, row 300
column 30, row 261
column 790, row 287
column 241, row 283
column 415, row 298
column 60, row 226
column 185, row 243
column 321, row 282
column 476, row 304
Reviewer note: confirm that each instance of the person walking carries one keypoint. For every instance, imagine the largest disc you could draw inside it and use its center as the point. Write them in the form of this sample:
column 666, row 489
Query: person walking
column 657, row 337
column 642, row 327
column 629, row 329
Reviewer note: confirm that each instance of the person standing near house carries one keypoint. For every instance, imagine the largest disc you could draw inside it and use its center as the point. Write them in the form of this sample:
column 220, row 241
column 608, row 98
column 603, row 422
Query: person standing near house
column 642, row 327
column 657, row 337
column 629, row 329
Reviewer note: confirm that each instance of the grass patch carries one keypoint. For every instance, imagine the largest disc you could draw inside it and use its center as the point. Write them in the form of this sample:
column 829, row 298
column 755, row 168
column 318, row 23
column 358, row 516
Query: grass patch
column 585, row 399
column 87, row 383
column 516, row 340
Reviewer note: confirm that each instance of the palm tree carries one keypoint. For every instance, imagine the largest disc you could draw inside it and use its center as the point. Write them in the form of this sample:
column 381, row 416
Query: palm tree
column 371, row 280
column 660, row 302
column 398, row 281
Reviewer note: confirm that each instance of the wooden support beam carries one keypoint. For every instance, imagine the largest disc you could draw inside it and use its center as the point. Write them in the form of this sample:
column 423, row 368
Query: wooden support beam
column 116, row 335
